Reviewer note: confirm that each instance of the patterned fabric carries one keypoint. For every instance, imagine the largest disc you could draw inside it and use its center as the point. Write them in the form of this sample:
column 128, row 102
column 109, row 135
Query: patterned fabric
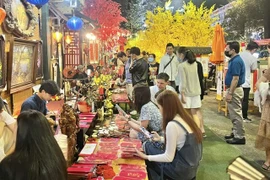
column 151, row 112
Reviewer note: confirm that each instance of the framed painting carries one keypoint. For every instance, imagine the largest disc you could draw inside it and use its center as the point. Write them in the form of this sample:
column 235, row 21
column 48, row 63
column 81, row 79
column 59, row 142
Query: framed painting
column 39, row 64
column 22, row 64
column 3, row 63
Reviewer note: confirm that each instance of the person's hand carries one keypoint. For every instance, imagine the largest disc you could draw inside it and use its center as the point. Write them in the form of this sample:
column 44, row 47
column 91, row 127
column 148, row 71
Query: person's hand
column 141, row 154
column 155, row 135
column 122, row 117
column 183, row 99
column 228, row 98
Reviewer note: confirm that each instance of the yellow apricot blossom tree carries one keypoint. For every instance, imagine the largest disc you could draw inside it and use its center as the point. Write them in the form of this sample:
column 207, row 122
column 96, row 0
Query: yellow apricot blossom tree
column 193, row 27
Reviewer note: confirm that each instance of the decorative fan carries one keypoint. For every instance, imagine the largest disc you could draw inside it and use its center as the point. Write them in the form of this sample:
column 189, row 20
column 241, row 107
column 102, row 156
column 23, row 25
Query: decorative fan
column 69, row 72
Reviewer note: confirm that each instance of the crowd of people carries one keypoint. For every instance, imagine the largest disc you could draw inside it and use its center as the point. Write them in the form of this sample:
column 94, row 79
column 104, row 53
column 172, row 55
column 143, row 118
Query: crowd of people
column 181, row 75
column 168, row 97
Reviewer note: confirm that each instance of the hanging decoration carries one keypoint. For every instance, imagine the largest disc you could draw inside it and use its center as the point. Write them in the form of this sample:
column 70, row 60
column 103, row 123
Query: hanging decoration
column 38, row 3
column 107, row 14
column 57, row 36
column 75, row 23
column 68, row 39
column 2, row 15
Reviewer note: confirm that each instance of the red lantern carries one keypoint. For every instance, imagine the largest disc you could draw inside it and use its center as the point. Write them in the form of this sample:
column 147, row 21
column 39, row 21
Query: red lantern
column 2, row 15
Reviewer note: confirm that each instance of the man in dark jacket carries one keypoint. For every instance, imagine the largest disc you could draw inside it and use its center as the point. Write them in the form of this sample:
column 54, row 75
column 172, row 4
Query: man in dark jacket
column 138, row 68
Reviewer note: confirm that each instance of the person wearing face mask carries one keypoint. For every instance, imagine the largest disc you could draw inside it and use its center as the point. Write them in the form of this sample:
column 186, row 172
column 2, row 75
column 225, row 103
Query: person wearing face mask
column 153, row 69
column 250, row 65
column 235, row 77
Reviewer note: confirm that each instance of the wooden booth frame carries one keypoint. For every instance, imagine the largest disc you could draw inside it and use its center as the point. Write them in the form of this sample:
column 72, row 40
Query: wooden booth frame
column 3, row 63
column 39, row 64
column 20, row 19
column 22, row 64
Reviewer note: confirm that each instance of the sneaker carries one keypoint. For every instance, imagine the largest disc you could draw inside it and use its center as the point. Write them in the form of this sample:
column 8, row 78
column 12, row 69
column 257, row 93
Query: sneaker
column 204, row 135
column 247, row 120
column 134, row 112
column 236, row 141
column 229, row 136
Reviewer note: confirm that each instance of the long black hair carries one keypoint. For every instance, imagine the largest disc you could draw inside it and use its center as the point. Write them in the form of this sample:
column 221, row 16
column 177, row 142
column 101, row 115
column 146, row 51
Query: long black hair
column 142, row 97
column 37, row 154
column 189, row 55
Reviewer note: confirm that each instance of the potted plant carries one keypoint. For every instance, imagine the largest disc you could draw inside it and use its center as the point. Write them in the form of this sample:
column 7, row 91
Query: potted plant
column 88, row 97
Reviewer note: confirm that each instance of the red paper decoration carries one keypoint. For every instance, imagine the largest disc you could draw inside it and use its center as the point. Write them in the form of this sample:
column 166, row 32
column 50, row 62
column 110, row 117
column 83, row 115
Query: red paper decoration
column 107, row 13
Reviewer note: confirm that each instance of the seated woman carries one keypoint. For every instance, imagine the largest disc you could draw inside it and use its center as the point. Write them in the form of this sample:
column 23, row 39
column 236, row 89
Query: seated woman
column 37, row 154
column 8, row 129
column 180, row 159
column 150, row 117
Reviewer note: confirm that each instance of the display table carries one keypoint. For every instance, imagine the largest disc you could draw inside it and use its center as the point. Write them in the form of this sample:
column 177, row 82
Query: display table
column 105, row 151
column 120, row 96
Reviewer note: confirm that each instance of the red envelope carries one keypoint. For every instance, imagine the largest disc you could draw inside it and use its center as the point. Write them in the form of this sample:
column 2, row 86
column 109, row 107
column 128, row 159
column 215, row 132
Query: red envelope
column 128, row 149
column 86, row 120
column 131, row 144
column 131, row 140
column 125, row 178
column 116, row 140
column 132, row 167
column 97, row 161
column 78, row 170
column 108, row 144
column 133, row 174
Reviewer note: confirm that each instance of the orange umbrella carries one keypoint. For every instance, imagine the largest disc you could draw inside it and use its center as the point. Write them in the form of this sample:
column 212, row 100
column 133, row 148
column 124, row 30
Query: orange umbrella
column 218, row 46
column 2, row 15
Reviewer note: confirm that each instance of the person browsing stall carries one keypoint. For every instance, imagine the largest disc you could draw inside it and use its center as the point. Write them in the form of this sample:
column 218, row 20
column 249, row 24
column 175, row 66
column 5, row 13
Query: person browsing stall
column 138, row 68
column 183, row 140
column 150, row 117
column 37, row 155
column 38, row 101
column 162, row 82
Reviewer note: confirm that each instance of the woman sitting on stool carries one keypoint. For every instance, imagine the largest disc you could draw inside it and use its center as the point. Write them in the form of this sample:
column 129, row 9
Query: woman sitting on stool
column 180, row 159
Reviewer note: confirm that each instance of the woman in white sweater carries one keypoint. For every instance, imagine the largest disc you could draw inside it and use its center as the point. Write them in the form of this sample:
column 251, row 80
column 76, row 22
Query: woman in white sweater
column 180, row 159
column 191, row 84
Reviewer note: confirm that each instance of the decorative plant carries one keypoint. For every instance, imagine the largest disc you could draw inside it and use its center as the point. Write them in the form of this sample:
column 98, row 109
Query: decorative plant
column 89, row 93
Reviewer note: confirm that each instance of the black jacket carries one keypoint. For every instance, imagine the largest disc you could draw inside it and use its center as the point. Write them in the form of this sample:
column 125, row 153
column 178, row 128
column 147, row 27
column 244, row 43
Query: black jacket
column 200, row 75
column 139, row 71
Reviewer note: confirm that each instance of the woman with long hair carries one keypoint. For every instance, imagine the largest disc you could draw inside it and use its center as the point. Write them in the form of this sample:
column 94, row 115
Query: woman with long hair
column 150, row 117
column 263, row 137
column 37, row 154
column 183, row 140
column 191, row 84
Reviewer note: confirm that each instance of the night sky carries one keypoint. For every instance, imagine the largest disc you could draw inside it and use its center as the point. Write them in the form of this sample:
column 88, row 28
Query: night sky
column 177, row 3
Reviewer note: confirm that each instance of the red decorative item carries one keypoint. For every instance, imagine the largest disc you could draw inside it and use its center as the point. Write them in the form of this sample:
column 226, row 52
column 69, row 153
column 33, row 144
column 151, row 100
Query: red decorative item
column 133, row 174
column 125, row 178
column 83, row 106
column 2, row 15
column 107, row 13
column 101, row 91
